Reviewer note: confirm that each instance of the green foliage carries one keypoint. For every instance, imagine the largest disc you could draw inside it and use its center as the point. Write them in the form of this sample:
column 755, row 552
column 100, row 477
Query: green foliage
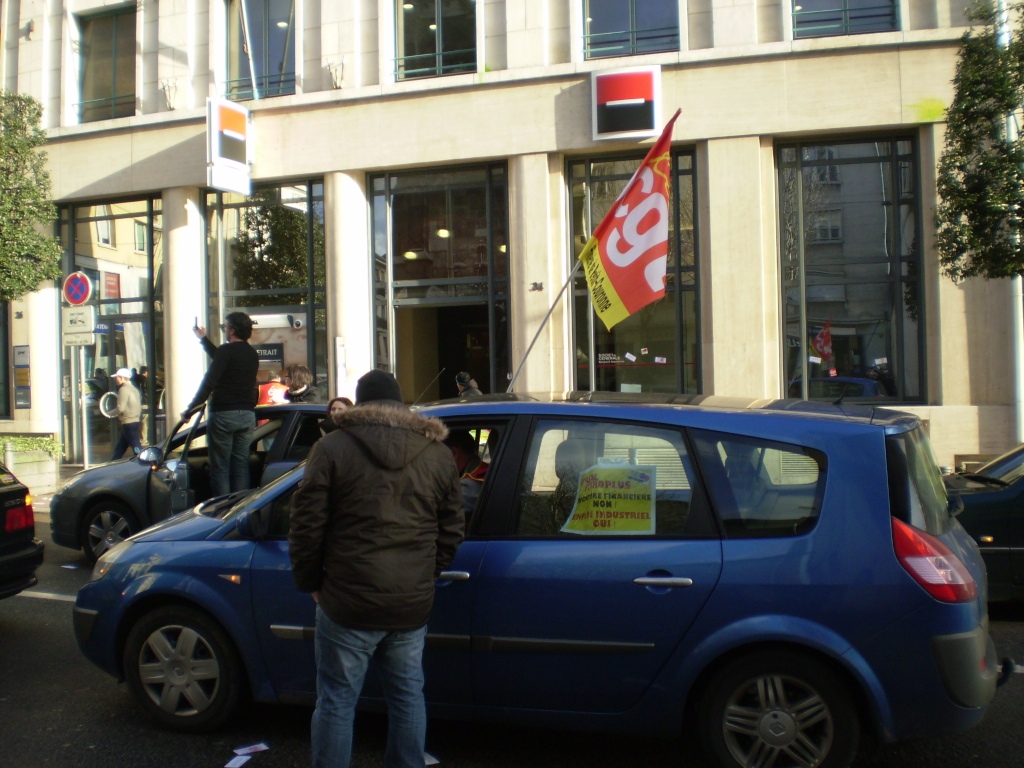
column 981, row 172
column 272, row 250
column 22, row 444
column 28, row 255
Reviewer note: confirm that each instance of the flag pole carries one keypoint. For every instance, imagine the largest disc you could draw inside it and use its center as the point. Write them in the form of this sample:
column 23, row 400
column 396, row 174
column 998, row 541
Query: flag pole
column 543, row 322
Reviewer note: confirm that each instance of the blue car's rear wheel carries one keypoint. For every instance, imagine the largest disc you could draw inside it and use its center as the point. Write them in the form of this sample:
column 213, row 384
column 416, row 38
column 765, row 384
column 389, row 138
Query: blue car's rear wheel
column 779, row 708
column 183, row 669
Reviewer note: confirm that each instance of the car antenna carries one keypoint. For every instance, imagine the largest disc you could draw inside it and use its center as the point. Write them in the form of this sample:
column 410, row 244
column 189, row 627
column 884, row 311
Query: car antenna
column 842, row 394
column 429, row 385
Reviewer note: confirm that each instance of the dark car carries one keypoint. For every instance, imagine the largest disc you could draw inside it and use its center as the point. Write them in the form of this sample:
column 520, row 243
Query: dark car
column 20, row 551
column 834, row 387
column 100, row 506
column 782, row 576
column 993, row 513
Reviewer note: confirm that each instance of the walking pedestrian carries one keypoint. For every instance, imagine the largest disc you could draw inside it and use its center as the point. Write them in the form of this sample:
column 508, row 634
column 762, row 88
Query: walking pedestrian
column 375, row 519
column 230, row 387
column 129, row 409
column 467, row 384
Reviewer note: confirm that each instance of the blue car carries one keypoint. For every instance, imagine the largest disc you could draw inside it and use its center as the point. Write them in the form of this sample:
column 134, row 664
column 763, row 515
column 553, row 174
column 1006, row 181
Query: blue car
column 786, row 576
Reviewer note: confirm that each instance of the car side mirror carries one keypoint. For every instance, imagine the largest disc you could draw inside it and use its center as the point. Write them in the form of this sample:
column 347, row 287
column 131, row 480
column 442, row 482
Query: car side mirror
column 151, row 455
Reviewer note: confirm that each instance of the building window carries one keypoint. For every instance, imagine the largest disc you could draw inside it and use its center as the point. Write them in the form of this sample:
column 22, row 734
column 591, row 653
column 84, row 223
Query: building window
column 829, row 18
column 274, row 269
column 261, row 49
column 851, row 271
column 140, row 236
column 440, row 266
column 656, row 349
column 104, row 226
column 107, row 75
column 434, row 38
column 99, row 240
column 825, row 226
column 629, row 27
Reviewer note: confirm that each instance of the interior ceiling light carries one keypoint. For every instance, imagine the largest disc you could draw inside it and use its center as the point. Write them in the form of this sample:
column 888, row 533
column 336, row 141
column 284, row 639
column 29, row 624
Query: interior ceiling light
column 443, row 233
column 411, row 255
column 282, row 25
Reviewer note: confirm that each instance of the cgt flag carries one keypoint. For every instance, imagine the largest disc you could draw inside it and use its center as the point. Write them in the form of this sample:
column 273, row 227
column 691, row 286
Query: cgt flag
column 822, row 343
column 626, row 259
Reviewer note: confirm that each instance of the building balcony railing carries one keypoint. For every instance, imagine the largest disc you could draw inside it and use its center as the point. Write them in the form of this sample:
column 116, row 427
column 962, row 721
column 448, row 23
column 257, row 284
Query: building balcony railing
column 435, row 64
column 267, row 86
column 844, row 18
column 631, row 42
column 106, row 109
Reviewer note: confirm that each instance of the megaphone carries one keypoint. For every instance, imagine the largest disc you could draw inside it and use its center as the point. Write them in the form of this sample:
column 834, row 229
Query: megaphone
column 108, row 405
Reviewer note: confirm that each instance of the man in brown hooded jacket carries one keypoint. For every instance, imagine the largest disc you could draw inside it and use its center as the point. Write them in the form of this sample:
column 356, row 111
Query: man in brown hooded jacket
column 376, row 517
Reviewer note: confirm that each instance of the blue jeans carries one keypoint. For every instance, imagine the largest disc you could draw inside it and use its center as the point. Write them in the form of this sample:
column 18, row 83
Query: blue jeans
column 342, row 656
column 129, row 436
column 229, row 441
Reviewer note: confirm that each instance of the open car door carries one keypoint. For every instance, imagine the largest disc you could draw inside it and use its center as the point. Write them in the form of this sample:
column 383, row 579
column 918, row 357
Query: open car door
column 172, row 487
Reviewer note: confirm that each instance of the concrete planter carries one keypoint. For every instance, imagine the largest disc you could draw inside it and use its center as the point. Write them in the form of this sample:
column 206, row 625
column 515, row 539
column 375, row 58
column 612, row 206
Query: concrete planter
column 38, row 470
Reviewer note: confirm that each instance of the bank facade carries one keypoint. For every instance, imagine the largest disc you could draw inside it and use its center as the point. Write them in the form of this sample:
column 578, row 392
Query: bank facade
column 424, row 175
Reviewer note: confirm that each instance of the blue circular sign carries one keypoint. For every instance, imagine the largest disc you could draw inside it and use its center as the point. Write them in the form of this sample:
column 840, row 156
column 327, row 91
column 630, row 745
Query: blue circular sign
column 77, row 288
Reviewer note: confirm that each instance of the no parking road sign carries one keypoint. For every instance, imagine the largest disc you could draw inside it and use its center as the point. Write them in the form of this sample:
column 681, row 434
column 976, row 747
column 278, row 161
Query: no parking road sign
column 77, row 288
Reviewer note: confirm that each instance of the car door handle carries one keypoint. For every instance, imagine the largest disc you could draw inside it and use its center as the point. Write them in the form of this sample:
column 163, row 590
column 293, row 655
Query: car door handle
column 663, row 581
column 453, row 576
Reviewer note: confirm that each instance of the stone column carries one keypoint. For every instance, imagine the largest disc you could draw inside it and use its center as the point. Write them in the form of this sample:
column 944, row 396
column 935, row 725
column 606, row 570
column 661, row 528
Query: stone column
column 185, row 297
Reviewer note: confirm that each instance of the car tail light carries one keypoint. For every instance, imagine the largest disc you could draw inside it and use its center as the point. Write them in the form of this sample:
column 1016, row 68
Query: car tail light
column 20, row 518
column 932, row 565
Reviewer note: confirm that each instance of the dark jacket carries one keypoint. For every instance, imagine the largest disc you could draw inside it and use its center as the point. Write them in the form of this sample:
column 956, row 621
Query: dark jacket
column 309, row 394
column 230, row 381
column 376, row 517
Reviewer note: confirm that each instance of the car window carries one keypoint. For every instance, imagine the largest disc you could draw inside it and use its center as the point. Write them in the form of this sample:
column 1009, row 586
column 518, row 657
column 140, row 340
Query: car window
column 307, row 434
column 917, row 495
column 474, row 445
column 596, row 478
column 761, row 488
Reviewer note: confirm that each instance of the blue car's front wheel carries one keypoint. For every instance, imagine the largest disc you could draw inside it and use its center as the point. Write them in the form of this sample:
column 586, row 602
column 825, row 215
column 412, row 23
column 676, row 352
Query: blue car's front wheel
column 183, row 669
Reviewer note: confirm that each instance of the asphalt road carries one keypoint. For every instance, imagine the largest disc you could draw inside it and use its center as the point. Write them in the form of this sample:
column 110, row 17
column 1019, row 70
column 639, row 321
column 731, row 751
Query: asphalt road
column 56, row 709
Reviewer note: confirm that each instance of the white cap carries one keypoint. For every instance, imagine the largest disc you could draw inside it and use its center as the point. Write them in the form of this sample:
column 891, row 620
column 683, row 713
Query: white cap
column 124, row 373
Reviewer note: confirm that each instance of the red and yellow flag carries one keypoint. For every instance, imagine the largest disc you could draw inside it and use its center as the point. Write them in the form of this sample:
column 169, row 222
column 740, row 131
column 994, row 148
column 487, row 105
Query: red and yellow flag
column 626, row 259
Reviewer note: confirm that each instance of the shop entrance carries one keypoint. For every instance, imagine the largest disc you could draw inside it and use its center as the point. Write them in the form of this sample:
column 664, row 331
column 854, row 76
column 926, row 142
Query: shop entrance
column 434, row 343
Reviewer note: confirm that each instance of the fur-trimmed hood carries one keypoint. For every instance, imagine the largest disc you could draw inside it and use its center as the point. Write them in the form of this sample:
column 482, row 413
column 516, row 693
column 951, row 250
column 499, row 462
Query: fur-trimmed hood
column 391, row 433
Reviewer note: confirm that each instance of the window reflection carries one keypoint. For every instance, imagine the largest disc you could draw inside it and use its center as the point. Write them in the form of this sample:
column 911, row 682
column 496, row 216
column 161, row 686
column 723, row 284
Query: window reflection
column 630, row 27
column 435, row 38
column 656, row 349
column 107, row 48
column 261, row 49
column 851, row 289
column 274, row 269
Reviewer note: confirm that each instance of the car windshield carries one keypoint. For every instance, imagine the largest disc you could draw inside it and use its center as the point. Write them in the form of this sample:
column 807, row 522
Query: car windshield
column 242, row 500
column 1008, row 467
column 916, row 491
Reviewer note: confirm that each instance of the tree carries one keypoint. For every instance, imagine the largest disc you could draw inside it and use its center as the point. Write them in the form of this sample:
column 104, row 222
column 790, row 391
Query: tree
column 28, row 255
column 271, row 251
column 981, row 172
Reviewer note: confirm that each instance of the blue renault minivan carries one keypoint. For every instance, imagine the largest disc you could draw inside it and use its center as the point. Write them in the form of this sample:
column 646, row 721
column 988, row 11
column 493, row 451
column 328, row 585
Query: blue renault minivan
column 777, row 578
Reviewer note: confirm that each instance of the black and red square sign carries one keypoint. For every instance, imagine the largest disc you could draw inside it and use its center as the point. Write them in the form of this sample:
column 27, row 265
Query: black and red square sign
column 626, row 103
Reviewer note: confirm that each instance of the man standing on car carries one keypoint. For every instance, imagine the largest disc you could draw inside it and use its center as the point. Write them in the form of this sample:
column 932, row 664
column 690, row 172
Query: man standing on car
column 375, row 519
column 129, row 409
column 230, row 386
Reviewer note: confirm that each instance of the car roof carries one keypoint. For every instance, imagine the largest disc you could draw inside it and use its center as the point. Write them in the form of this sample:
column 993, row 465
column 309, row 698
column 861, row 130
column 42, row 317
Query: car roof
column 636, row 404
